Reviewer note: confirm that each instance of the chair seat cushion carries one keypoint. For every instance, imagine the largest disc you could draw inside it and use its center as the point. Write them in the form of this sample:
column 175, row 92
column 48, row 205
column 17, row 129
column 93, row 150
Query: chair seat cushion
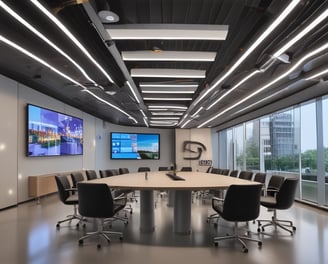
column 73, row 199
column 268, row 201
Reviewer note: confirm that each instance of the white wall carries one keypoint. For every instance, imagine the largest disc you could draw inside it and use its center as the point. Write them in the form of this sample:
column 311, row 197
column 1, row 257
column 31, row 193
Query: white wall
column 201, row 135
column 167, row 154
column 16, row 167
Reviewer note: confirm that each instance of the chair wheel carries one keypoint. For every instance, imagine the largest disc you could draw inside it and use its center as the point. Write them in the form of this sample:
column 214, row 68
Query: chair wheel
column 216, row 244
column 259, row 230
column 294, row 228
column 98, row 246
column 121, row 238
column 131, row 212
column 58, row 226
column 245, row 250
column 77, row 225
column 259, row 244
column 80, row 242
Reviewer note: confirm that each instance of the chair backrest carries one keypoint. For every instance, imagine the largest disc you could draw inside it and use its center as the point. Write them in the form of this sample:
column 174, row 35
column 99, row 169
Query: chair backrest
column 224, row 171
column 62, row 185
column 113, row 172
column 163, row 168
column 234, row 173
column 209, row 170
column 103, row 173
column 186, row 169
column 274, row 184
column 95, row 200
column 216, row 171
column 246, row 175
column 260, row 177
column 242, row 202
column 91, row 174
column 123, row 170
column 141, row 169
column 286, row 194
column 76, row 177
column 108, row 173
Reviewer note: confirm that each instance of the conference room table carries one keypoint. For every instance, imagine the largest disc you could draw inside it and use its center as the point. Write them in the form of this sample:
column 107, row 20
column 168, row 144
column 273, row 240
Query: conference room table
column 147, row 184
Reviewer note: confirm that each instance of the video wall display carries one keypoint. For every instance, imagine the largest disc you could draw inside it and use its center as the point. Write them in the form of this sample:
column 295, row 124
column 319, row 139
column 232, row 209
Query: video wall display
column 51, row 133
column 135, row 146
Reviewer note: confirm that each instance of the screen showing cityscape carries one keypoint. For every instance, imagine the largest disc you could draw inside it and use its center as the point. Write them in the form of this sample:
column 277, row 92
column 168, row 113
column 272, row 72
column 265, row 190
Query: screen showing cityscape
column 137, row 146
column 50, row 133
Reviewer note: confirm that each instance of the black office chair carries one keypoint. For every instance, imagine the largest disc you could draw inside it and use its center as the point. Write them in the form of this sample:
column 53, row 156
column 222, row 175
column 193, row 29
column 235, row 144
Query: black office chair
column 66, row 197
column 241, row 204
column 186, row 169
column 282, row 200
column 274, row 185
column 224, row 172
column 163, row 168
column 123, row 171
column 96, row 201
column 103, row 173
column 216, row 171
column 143, row 169
column 246, row 175
column 260, row 177
column 76, row 177
column 91, row 174
column 234, row 173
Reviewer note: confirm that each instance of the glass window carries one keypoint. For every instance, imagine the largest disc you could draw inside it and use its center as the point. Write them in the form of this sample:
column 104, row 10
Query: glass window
column 239, row 147
column 309, row 184
column 325, row 143
column 252, row 145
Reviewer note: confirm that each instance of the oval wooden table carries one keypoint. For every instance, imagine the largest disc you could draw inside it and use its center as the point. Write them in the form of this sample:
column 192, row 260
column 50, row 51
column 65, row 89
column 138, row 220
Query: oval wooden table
column 158, row 180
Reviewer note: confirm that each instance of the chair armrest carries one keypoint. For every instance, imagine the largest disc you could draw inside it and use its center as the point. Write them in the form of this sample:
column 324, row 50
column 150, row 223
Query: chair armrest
column 120, row 197
column 218, row 199
column 273, row 191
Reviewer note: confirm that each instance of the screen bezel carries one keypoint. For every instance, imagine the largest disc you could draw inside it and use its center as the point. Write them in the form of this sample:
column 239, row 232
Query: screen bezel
column 136, row 133
column 57, row 112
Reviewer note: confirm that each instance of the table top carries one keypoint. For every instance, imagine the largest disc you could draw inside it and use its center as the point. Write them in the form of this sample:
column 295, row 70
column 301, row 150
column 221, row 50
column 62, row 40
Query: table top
column 159, row 180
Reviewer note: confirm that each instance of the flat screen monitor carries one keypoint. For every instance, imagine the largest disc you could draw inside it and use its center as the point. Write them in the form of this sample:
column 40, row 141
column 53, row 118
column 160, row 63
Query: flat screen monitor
column 51, row 133
column 135, row 146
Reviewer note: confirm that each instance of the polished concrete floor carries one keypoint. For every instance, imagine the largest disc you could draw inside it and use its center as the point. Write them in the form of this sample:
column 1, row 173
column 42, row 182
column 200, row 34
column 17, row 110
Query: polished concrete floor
column 28, row 234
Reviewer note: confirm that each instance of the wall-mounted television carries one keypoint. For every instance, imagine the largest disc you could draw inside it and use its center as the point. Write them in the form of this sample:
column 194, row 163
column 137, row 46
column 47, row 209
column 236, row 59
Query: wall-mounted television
column 137, row 146
column 51, row 133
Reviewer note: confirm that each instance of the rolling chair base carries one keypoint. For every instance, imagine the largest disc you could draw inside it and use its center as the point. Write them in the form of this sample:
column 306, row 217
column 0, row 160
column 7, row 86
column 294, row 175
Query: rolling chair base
column 283, row 224
column 100, row 233
column 239, row 238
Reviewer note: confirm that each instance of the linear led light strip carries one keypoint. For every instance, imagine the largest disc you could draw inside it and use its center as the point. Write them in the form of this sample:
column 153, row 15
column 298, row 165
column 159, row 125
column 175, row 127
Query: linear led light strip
column 168, row 99
column 280, row 18
column 165, row 118
column 301, row 34
column 133, row 92
column 145, row 121
column 317, row 75
column 310, row 54
column 31, row 55
column 70, row 35
column 44, row 38
column 141, row 85
column 187, row 122
column 197, row 112
column 282, row 90
column 233, row 88
column 182, row 108
column 168, row 92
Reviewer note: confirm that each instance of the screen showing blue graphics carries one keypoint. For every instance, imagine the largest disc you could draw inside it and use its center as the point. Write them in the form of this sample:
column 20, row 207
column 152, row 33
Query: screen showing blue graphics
column 134, row 146
column 50, row 133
